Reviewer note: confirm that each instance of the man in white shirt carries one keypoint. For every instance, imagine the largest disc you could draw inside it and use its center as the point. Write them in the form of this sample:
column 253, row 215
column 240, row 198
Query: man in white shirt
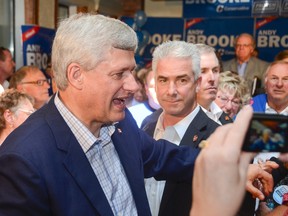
column 275, row 100
column 177, row 69
column 210, row 70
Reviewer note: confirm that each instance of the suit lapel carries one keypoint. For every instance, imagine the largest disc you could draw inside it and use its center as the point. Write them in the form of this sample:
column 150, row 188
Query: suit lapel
column 126, row 142
column 76, row 163
column 194, row 133
column 225, row 119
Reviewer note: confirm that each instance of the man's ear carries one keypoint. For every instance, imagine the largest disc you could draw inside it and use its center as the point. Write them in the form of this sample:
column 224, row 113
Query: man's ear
column 9, row 118
column 198, row 84
column 75, row 75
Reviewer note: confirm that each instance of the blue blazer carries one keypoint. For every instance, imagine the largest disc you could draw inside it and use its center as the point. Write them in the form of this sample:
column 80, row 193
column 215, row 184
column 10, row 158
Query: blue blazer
column 44, row 171
column 259, row 103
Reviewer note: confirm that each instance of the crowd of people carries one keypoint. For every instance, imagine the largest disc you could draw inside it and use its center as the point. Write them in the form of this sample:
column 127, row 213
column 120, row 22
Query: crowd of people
column 162, row 140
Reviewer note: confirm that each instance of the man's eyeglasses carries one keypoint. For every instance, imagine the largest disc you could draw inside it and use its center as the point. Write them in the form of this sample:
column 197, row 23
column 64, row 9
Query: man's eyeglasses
column 38, row 82
column 242, row 45
column 225, row 100
column 28, row 112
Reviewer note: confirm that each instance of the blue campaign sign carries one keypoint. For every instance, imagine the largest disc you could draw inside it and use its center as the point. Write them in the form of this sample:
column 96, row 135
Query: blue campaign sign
column 218, row 33
column 216, row 8
column 271, row 36
column 161, row 30
column 37, row 44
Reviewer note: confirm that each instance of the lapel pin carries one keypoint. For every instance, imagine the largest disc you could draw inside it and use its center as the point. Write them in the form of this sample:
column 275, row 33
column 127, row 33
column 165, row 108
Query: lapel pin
column 227, row 118
column 195, row 138
column 119, row 130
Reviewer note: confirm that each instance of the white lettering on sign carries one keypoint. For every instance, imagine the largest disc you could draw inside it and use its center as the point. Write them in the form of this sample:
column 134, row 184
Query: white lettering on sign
column 35, row 57
column 267, row 32
column 272, row 41
column 157, row 39
column 212, row 40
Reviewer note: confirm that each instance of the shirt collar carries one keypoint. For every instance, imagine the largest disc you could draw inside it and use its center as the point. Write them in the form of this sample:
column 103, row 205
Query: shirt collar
column 83, row 135
column 269, row 109
column 178, row 129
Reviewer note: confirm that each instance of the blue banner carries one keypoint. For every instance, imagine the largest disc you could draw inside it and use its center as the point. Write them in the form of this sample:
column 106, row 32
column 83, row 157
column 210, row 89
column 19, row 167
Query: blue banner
column 37, row 45
column 161, row 30
column 216, row 8
column 271, row 36
column 218, row 33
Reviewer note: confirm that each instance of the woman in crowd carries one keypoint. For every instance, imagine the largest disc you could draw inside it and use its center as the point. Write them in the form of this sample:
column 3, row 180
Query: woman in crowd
column 232, row 93
column 15, row 107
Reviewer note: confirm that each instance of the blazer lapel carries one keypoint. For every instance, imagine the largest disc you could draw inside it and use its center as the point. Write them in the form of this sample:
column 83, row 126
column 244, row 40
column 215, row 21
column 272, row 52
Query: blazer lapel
column 194, row 133
column 126, row 142
column 225, row 118
column 76, row 163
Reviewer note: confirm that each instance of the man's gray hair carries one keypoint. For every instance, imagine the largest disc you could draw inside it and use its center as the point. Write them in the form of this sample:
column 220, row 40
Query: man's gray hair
column 86, row 39
column 178, row 49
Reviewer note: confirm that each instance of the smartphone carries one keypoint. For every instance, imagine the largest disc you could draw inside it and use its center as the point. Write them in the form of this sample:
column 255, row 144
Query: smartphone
column 267, row 133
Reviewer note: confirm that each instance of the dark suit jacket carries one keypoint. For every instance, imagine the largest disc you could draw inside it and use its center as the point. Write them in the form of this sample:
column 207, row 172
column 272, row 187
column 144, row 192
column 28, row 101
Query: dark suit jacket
column 177, row 196
column 225, row 119
column 44, row 171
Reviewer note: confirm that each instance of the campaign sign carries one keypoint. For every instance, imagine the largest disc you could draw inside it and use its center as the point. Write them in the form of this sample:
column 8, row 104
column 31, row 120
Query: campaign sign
column 266, row 8
column 161, row 30
column 271, row 36
column 218, row 33
column 216, row 8
column 37, row 45
column 284, row 8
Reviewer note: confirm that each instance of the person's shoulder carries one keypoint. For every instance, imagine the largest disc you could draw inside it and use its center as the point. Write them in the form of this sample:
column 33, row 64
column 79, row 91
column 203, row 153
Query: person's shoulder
column 206, row 120
column 260, row 61
column 230, row 61
column 152, row 118
column 258, row 102
column 260, row 97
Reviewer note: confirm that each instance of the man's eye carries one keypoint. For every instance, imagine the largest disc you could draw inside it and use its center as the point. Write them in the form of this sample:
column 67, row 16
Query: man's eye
column 183, row 81
column 161, row 80
column 118, row 75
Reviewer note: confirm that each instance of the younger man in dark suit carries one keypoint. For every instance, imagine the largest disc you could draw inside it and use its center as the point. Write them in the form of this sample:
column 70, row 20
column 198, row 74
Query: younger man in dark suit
column 177, row 68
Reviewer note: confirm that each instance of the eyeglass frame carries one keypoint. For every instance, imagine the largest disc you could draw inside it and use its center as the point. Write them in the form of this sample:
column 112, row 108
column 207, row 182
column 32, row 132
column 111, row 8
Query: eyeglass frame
column 37, row 82
column 28, row 112
column 225, row 100
column 243, row 45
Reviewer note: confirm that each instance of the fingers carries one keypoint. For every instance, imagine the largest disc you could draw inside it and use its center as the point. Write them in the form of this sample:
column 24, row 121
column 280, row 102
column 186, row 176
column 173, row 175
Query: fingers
column 237, row 133
column 268, row 166
column 256, row 193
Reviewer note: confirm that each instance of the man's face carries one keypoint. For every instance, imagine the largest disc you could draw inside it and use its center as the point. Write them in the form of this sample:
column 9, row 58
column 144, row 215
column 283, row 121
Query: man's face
column 8, row 65
column 276, row 84
column 107, row 86
column 227, row 101
column 175, row 86
column 38, row 92
column 244, row 48
column 210, row 75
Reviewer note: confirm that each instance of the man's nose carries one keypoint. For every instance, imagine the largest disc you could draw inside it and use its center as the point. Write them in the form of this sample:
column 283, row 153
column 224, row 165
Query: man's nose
column 130, row 84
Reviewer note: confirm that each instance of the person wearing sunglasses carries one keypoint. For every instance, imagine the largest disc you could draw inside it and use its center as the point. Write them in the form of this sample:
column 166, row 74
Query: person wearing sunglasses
column 15, row 108
column 31, row 80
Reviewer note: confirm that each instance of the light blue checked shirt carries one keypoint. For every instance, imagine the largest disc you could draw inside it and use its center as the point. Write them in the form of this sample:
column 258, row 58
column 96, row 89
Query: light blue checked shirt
column 105, row 162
